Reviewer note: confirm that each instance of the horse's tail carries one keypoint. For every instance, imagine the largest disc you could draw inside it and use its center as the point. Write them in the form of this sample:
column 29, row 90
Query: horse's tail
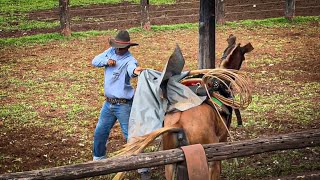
column 140, row 143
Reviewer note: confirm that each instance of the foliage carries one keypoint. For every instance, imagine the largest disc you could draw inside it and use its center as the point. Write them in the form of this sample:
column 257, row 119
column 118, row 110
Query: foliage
column 21, row 23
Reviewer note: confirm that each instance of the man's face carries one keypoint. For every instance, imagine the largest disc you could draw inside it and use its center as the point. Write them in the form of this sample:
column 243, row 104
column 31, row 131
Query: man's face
column 121, row 51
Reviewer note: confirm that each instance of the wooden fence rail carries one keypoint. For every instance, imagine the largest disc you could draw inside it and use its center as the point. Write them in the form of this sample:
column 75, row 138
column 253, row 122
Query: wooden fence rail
column 220, row 151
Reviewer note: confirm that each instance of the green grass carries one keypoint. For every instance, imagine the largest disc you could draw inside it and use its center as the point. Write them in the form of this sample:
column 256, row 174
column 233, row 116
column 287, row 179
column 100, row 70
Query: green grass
column 282, row 163
column 291, row 97
column 19, row 114
column 274, row 22
column 14, row 12
column 21, row 23
column 44, row 38
column 23, row 6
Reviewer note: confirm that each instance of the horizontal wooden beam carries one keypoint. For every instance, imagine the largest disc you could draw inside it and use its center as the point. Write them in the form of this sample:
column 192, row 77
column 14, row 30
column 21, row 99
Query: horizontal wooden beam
column 219, row 151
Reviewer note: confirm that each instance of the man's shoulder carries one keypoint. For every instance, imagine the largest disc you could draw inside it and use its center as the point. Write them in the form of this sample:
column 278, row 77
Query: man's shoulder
column 130, row 57
column 109, row 50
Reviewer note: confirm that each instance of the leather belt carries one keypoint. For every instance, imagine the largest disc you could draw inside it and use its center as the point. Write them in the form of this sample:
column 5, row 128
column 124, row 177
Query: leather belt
column 117, row 100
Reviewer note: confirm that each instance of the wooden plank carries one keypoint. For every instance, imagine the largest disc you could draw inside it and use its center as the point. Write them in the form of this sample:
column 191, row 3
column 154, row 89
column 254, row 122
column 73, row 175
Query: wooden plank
column 214, row 152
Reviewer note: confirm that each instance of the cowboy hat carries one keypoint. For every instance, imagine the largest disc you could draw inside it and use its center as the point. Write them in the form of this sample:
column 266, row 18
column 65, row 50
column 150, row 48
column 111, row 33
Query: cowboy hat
column 122, row 40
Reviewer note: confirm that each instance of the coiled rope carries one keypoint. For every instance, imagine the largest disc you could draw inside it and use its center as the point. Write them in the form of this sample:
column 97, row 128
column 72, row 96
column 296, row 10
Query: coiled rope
column 238, row 84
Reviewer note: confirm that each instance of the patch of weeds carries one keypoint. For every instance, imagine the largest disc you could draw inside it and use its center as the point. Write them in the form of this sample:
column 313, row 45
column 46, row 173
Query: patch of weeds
column 296, row 105
column 273, row 22
column 174, row 27
column 156, row 2
column 256, row 107
column 271, row 164
column 17, row 114
column 266, row 60
column 17, row 82
column 257, row 122
column 74, row 110
column 28, row 25
column 29, row 40
column 90, row 19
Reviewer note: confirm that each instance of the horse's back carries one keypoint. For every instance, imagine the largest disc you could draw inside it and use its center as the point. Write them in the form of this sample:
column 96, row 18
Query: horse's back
column 199, row 124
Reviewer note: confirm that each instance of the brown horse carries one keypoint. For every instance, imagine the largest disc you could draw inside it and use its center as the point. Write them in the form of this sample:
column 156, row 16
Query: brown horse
column 202, row 124
column 199, row 125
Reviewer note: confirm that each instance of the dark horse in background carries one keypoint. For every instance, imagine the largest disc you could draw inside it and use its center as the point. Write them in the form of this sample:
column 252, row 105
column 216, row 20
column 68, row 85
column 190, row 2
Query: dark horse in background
column 232, row 58
column 201, row 124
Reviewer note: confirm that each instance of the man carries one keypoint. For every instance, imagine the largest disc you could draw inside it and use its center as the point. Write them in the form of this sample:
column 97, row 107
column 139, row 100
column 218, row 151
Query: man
column 120, row 66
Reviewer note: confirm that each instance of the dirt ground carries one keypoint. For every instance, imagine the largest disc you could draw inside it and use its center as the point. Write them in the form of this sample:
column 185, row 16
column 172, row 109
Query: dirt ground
column 30, row 147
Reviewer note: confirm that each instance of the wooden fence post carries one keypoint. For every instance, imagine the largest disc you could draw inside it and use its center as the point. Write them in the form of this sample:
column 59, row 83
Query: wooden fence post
column 220, row 13
column 64, row 17
column 207, row 34
column 145, row 19
column 290, row 9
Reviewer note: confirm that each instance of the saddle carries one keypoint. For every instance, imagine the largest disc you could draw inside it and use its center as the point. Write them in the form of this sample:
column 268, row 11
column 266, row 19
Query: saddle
column 196, row 85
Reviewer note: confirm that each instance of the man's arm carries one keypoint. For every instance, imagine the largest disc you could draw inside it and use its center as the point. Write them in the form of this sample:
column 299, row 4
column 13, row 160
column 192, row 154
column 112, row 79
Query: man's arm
column 101, row 60
column 137, row 71
column 134, row 69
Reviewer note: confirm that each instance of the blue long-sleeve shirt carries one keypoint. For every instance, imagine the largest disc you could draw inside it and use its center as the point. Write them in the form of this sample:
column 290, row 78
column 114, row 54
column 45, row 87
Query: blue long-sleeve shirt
column 117, row 78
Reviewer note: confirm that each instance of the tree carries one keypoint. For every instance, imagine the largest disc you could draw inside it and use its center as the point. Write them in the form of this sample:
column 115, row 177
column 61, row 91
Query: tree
column 64, row 17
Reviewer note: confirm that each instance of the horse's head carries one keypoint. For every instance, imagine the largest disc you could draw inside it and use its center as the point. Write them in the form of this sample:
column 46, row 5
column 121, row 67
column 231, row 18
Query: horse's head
column 233, row 55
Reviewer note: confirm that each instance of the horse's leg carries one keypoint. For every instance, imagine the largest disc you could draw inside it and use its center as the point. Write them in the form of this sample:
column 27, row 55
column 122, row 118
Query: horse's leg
column 238, row 115
column 170, row 171
column 202, row 126
column 169, row 141
column 214, row 170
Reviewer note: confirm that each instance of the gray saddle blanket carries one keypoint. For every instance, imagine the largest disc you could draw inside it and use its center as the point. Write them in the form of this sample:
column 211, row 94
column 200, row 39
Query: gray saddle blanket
column 150, row 103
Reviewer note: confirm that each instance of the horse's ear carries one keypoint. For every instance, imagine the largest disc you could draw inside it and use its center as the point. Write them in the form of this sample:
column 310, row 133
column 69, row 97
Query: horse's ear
column 231, row 40
column 247, row 48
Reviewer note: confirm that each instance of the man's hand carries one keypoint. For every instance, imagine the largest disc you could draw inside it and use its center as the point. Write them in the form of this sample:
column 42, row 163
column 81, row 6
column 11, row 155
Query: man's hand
column 138, row 70
column 111, row 62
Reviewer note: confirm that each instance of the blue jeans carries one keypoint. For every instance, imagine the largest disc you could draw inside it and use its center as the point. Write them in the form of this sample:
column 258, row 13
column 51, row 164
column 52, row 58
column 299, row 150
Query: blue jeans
column 108, row 117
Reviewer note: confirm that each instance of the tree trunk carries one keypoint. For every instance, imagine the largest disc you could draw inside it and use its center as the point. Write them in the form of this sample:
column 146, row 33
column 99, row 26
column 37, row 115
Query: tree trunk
column 207, row 35
column 145, row 18
column 220, row 13
column 290, row 9
column 64, row 17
